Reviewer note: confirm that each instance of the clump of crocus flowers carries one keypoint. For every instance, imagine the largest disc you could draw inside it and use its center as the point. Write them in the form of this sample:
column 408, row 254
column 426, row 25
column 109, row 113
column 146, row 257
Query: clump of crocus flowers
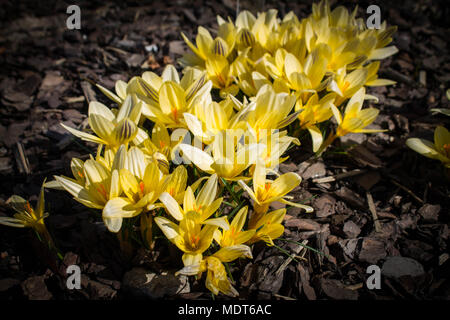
column 220, row 131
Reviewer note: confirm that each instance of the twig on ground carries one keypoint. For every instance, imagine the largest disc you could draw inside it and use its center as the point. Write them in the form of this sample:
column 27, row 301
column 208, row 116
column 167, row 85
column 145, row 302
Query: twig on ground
column 339, row 176
column 373, row 210
column 407, row 190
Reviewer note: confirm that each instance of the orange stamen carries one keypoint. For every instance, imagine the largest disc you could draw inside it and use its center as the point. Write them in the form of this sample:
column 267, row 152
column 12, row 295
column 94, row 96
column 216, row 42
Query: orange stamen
column 194, row 240
column 267, row 186
column 447, row 148
column 28, row 208
column 101, row 189
column 221, row 80
column 142, row 186
column 346, row 85
column 80, row 174
column 175, row 114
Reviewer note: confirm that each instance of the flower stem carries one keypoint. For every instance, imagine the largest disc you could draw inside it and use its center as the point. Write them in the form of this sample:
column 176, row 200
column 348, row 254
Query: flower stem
column 230, row 190
column 325, row 144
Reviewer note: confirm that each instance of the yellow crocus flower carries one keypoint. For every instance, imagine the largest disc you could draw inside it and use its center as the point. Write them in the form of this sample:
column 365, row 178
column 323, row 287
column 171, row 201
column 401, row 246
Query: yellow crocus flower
column 355, row 119
column 229, row 157
column 208, row 120
column 142, row 183
column 28, row 217
column 269, row 111
column 439, row 150
column 161, row 147
column 194, row 233
column 98, row 186
column 314, row 112
column 111, row 129
column 216, row 279
column 267, row 191
column 346, row 85
column 235, row 235
column 199, row 208
column 268, row 227
column 220, row 72
column 166, row 98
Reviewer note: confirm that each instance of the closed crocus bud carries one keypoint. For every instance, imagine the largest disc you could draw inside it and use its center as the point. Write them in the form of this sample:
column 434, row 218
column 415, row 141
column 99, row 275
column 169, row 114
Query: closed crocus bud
column 148, row 90
column 193, row 89
column 163, row 163
column 246, row 38
column 125, row 131
column 220, row 47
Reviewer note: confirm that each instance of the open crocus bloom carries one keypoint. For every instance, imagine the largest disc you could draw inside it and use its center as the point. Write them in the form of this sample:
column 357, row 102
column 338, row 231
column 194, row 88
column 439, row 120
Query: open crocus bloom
column 28, row 217
column 439, row 150
column 355, row 119
column 200, row 207
column 208, row 120
column 25, row 215
column 314, row 112
column 346, row 85
column 166, row 98
column 189, row 236
column 111, row 129
column 269, row 111
column 267, row 191
column 229, row 157
column 142, row 182
column 216, row 279
column 195, row 231
column 94, row 186
column 268, row 227
column 235, row 235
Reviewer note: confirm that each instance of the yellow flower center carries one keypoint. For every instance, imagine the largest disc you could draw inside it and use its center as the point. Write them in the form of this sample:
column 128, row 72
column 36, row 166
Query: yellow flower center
column 194, row 241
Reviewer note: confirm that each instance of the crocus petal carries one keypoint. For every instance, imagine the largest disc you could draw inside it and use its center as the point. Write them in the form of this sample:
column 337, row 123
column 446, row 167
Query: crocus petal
column 120, row 208
column 169, row 228
column 78, row 192
column 109, row 94
column 316, row 137
column 172, row 206
column 308, row 209
column 228, row 254
column 83, row 135
column 200, row 158
column 220, row 222
column 284, row 184
column 249, row 190
column 208, row 193
column 11, row 222
column 190, row 259
column 424, row 147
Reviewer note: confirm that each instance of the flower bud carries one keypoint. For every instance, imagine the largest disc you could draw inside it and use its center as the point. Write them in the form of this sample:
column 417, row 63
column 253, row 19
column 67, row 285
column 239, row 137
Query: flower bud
column 125, row 131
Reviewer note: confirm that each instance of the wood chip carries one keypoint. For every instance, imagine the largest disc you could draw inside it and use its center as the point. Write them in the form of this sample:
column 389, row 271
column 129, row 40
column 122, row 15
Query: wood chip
column 21, row 159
